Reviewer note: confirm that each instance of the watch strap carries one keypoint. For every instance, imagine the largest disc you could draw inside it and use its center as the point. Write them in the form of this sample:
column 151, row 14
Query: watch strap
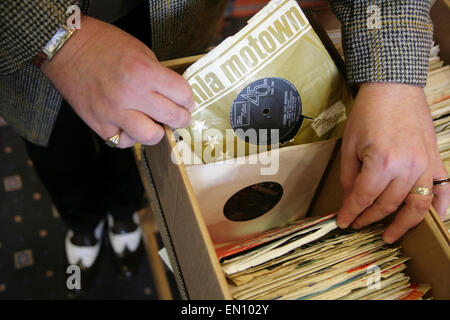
column 39, row 59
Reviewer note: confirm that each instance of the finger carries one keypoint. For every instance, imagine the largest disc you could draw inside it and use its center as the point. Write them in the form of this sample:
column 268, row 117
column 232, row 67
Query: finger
column 106, row 131
column 413, row 212
column 140, row 127
column 367, row 187
column 350, row 167
column 125, row 141
column 173, row 86
column 161, row 109
column 441, row 200
column 388, row 202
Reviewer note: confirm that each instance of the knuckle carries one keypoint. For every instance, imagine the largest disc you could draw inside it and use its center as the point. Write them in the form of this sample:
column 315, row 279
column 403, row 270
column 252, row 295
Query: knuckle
column 158, row 134
column 418, row 163
column 184, row 120
column 136, row 63
column 185, row 92
column 386, row 208
column 364, row 200
column 172, row 116
column 389, row 161
column 153, row 136
column 394, row 160
column 178, row 118
column 420, row 205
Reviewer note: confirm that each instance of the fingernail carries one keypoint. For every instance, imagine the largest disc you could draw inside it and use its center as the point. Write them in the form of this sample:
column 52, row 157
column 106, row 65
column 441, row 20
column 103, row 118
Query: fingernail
column 388, row 239
column 342, row 224
column 341, row 221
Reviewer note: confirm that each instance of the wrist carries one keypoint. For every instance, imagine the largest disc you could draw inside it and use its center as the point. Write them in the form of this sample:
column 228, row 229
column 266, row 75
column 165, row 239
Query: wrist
column 69, row 50
column 390, row 86
column 391, row 90
column 388, row 99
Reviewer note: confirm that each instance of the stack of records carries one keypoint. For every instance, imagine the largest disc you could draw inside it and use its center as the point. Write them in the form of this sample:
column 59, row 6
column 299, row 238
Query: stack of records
column 437, row 92
column 313, row 259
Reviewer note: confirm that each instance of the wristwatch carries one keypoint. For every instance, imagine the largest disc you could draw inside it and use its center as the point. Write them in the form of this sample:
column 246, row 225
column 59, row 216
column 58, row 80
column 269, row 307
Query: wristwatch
column 53, row 46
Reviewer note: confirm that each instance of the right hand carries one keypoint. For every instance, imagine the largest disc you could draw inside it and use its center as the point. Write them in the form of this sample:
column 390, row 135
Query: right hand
column 112, row 81
column 390, row 146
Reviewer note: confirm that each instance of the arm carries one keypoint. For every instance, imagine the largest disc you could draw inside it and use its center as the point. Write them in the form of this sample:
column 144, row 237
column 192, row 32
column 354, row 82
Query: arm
column 385, row 40
column 26, row 26
column 111, row 79
column 389, row 145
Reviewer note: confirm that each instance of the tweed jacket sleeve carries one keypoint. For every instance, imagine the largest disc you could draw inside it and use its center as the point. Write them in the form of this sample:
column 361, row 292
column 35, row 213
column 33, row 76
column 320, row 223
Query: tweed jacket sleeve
column 26, row 26
column 385, row 40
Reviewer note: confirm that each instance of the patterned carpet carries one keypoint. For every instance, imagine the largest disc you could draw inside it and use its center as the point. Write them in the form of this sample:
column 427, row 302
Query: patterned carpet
column 32, row 238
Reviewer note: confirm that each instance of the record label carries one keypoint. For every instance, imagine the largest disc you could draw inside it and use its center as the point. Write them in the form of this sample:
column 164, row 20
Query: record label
column 253, row 201
column 267, row 103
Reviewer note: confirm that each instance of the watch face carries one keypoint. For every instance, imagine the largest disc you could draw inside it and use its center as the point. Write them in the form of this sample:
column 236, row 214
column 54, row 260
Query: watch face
column 55, row 42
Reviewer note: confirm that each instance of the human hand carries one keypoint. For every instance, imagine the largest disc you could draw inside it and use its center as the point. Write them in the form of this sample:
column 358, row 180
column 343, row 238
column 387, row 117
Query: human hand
column 389, row 146
column 113, row 81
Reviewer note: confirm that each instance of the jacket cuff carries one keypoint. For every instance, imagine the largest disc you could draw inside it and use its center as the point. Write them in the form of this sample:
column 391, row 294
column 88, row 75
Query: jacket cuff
column 27, row 25
column 388, row 42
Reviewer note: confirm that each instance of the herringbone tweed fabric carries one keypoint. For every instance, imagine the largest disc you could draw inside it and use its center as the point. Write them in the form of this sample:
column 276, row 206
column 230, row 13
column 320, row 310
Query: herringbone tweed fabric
column 396, row 49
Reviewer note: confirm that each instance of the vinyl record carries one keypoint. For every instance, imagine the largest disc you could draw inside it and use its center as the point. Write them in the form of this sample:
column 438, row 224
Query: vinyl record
column 233, row 196
column 267, row 103
column 253, row 201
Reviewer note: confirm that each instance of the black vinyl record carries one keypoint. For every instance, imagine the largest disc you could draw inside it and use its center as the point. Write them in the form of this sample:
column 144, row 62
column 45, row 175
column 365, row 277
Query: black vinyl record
column 267, row 103
column 253, row 201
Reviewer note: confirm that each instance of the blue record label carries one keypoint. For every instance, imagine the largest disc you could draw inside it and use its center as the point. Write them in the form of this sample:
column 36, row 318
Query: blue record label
column 267, row 103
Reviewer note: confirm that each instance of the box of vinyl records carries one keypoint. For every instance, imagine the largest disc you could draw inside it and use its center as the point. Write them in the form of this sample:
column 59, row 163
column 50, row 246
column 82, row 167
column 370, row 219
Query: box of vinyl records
column 245, row 197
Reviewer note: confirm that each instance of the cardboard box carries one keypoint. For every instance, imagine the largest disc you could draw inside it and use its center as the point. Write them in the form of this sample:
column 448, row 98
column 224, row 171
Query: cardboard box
column 191, row 251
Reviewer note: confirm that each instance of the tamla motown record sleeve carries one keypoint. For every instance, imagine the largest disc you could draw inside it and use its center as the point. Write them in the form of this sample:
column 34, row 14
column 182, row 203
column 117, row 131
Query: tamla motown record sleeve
column 273, row 82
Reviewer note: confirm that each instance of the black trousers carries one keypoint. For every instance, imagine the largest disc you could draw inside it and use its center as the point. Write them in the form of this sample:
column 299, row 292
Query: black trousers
column 85, row 178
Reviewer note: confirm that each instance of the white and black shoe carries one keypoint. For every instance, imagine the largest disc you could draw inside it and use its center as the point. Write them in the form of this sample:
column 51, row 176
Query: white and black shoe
column 125, row 238
column 83, row 250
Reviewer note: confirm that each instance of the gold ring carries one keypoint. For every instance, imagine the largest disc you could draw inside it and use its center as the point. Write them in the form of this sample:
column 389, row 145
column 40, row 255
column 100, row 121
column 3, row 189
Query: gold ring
column 441, row 181
column 114, row 140
column 423, row 191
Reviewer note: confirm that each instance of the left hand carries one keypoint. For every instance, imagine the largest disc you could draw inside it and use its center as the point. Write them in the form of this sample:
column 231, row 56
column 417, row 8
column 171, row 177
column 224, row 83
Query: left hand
column 390, row 146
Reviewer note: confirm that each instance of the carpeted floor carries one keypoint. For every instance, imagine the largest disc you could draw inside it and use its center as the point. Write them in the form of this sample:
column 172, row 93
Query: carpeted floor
column 32, row 238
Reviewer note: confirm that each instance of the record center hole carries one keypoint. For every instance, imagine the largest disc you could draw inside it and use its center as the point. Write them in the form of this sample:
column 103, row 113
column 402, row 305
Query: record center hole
column 266, row 111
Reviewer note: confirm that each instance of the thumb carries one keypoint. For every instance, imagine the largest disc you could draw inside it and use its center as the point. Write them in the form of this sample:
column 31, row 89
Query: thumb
column 350, row 167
